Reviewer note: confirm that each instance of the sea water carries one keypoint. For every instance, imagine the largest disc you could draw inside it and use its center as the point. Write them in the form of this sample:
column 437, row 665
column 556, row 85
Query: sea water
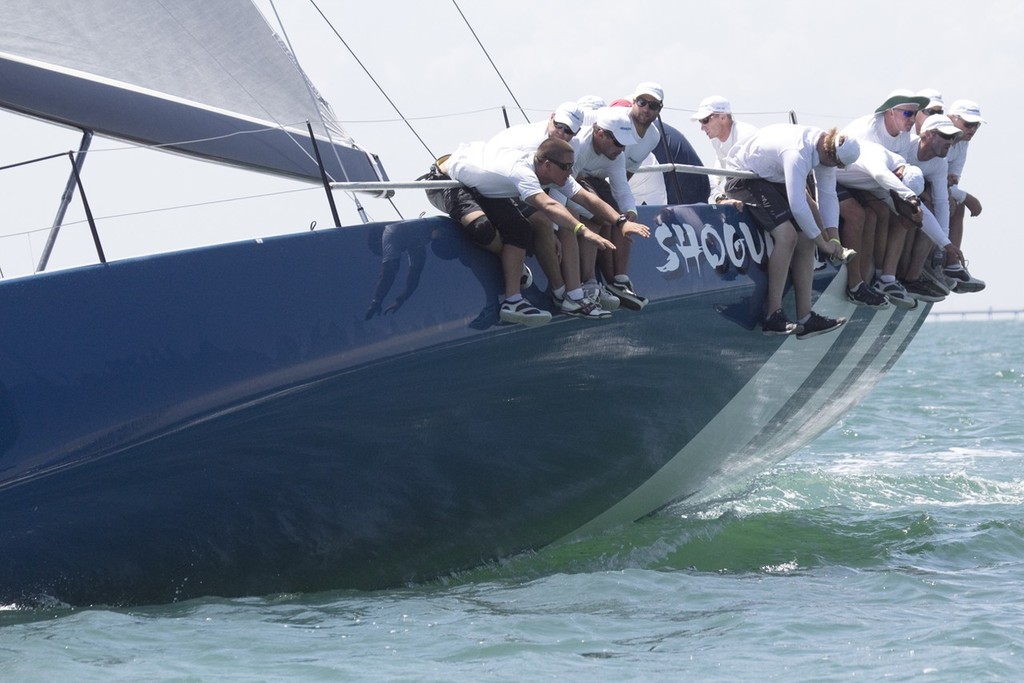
column 891, row 548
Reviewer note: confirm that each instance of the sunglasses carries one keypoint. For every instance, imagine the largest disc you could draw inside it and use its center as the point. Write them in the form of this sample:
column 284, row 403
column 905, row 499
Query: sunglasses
column 971, row 124
column 704, row 121
column 948, row 136
column 653, row 106
column 565, row 129
column 907, row 113
column 931, row 112
column 564, row 165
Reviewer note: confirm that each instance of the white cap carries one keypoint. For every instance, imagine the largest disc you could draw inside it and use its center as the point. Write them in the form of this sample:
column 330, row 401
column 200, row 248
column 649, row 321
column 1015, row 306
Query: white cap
column 967, row 110
column 934, row 98
column 716, row 104
column 616, row 120
column 650, row 88
column 847, row 150
column 569, row 114
column 940, row 123
column 913, row 178
column 591, row 102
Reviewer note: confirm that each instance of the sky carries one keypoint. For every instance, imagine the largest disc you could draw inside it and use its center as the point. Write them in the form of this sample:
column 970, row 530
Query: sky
column 827, row 62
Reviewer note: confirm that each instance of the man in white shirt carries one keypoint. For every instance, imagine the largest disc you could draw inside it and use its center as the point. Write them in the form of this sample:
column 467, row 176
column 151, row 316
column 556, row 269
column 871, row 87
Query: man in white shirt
column 928, row 152
column 601, row 167
column 647, row 100
column 715, row 118
column 783, row 155
column 965, row 115
column 889, row 126
column 492, row 176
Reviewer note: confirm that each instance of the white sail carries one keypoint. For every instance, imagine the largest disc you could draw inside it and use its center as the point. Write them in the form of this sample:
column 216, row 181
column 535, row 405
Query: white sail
column 205, row 78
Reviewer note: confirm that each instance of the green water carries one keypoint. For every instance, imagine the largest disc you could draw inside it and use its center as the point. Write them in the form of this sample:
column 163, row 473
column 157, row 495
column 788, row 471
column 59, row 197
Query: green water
column 890, row 549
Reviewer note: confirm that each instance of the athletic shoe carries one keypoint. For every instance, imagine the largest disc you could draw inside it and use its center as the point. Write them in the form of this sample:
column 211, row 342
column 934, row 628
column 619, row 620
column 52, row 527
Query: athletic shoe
column 866, row 296
column 626, row 294
column 923, row 290
column 523, row 312
column 818, row 324
column 938, row 279
column 895, row 293
column 584, row 308
column 526, row 279
column 778, row 324
column 599, row 293
column 965, row 282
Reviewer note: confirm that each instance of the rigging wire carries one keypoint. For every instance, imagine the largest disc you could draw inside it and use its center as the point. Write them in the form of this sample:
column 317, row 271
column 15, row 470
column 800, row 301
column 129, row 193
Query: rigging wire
column 372, row 79
column 486, row 54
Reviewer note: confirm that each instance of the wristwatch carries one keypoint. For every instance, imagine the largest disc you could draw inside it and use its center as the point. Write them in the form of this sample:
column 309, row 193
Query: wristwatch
column 621, row 220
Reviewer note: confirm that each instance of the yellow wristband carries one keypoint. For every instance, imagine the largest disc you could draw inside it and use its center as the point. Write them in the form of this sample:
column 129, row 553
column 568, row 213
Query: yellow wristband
column 836, row 241
column 577, row 228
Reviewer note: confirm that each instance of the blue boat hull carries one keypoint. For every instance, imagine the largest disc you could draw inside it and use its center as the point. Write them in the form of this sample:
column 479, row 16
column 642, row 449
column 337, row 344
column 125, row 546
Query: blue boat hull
column 229, row 421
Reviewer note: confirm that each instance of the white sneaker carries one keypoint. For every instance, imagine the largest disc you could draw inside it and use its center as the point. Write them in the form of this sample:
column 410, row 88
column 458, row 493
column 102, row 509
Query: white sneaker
column 599, row 293
column 523, row 312
column 584, row 308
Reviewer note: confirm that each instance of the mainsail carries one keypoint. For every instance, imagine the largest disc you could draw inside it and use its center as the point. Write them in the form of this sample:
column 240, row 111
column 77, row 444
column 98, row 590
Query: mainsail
column 207, row 79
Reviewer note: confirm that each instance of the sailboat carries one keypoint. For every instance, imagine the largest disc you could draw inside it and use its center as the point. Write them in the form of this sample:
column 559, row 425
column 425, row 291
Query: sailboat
column 287, row 414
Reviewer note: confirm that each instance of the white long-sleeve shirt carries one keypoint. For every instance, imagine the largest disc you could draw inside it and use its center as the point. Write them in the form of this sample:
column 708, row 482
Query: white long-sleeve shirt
column 787, row 153
column 872, row 129
column 738, row 131
column 957, row 157
column 873, row 172
column 936, row 172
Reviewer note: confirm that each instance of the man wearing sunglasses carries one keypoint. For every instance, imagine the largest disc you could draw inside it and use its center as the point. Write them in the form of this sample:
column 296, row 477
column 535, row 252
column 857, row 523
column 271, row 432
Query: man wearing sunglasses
column 600, row 166
column 929, row 154
column 563, row 123
column 714, row 114
column 889, row 126
column 492, row 178
column 646, row 104
column 965, row 115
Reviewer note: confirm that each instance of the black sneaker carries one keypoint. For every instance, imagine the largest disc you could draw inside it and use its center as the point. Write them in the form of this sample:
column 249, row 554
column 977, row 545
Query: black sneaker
column 778, row 323
column 626, row 294
column 965, row 282
column 866, row 296
column 818, row 324
column 923, row 290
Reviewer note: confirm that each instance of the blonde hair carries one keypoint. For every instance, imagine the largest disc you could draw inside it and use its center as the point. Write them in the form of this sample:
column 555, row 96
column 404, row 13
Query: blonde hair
column 833, row 140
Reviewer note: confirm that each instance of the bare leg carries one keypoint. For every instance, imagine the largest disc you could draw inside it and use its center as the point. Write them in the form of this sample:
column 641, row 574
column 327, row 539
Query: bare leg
column 572, row 254
column 919, row 254
column 784, row 238
column 803, row 274
column 512, row 268
column 545, row 250
column 852, row 237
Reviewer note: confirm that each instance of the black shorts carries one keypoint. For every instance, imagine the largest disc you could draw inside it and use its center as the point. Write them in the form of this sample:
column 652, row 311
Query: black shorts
column 601, row 188
column 765, row 200
column 515, row 229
